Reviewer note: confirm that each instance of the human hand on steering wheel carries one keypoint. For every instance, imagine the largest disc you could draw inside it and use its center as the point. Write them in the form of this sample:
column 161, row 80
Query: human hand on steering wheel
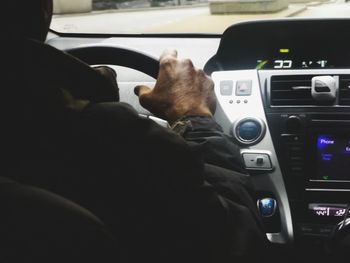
column 181, row 90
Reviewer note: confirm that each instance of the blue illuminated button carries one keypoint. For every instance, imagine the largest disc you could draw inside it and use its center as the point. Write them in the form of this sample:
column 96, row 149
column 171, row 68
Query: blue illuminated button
column 249, row 130
column 267, row 207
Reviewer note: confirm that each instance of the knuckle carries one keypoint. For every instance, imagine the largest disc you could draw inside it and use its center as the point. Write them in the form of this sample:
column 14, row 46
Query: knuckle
column 201, row 73
column 205, row 78
column 208, row 80
column 211, row 82
column 167, row 61
column 187, row 62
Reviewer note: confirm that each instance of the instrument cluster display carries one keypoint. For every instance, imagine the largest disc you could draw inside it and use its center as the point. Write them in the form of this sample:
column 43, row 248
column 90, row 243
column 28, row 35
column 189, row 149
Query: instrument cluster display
column 284, row 58
column 283, row 45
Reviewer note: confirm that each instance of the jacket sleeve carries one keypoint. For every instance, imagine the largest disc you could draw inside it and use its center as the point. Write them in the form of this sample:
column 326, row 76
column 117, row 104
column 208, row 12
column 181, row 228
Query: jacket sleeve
column 207, row 139
column 204, row 212
column 149, row 187
column 224, row 171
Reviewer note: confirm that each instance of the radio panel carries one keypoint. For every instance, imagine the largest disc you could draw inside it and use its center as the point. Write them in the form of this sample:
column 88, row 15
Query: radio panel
column 311, row 137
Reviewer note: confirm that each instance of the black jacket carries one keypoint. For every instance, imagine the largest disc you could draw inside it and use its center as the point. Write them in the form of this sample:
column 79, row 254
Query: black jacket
column 165, row 199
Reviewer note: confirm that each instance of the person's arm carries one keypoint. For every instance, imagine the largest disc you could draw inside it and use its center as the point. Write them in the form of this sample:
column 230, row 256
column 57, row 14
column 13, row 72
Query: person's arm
column 184, row 96
column 183, row 93
column 181, row 90
column 83, row 82
column 164, row 191
column 206, row 137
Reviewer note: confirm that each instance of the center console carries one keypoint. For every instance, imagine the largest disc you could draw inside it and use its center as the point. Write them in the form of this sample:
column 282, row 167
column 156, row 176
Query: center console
column 284, row 97
column 312, row 141
column 295, row 145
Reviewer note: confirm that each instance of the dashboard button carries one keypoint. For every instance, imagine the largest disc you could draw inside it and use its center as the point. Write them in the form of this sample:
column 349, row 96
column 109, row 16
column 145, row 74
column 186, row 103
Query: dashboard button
column 296, row 169
column 295, row 158
column 267, row 207
column 244, row 88
column 257, row 161
column 292, row 138
column 260, row 160
column 226, row 87
column 249, row 130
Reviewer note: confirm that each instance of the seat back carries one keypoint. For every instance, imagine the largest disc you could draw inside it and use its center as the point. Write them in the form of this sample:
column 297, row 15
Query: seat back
column 39, row 226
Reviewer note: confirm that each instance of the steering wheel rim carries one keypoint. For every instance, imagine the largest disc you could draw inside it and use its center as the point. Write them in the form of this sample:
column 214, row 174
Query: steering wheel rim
column 112, row 55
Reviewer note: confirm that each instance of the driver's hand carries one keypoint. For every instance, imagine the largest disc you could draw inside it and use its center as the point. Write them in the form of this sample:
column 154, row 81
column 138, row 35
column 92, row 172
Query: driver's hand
column 181, row 90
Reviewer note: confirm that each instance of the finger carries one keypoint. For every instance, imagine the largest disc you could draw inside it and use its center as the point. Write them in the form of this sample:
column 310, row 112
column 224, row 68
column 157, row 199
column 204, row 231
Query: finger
column 201, row 73
column 187, row 62
column 168, row 53
column 142, row 90
column 146, row 98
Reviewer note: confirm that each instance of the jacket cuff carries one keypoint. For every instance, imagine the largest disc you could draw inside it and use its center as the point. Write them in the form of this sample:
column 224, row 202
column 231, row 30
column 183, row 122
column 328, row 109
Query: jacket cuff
column 195, row 123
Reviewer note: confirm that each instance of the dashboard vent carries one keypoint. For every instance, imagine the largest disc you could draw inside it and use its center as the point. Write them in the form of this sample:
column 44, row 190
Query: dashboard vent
column 291, row 90
column 344, row 90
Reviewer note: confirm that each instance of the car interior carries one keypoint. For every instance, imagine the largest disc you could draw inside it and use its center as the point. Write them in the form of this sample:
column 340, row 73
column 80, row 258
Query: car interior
column 283, row 93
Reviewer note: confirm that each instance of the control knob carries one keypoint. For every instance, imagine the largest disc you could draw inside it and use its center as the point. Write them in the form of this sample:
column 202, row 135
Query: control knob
column 293, row 124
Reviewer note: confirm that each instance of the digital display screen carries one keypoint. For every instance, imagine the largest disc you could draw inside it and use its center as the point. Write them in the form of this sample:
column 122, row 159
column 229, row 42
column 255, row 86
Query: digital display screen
column 328, row 210
column 333, row 158
column 286, row 58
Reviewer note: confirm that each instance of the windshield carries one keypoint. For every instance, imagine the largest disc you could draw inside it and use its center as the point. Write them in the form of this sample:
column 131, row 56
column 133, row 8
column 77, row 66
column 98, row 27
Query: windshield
column 180, row 16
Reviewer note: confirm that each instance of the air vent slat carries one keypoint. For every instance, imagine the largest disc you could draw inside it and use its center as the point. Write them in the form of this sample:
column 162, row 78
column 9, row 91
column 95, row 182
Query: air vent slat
column 291, row 90
column 287, row 95
column 292, row 102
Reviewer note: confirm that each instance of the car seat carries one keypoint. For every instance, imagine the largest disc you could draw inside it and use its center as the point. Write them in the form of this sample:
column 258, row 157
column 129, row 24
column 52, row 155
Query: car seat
column 39, row 226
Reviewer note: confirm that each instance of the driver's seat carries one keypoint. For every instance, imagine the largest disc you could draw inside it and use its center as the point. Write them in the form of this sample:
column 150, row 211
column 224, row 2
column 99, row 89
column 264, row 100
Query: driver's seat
column 39, row 226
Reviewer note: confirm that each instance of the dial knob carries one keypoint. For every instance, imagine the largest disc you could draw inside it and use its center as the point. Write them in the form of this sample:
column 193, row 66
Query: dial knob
column 293, row 124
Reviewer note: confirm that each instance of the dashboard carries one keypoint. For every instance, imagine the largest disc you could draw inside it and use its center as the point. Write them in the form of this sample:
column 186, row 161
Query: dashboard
column 286, row 101
column 285, row 44
column 283, row 91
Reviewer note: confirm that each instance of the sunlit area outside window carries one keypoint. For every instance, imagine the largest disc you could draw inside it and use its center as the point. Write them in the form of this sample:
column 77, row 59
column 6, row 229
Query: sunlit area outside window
column 181, row 16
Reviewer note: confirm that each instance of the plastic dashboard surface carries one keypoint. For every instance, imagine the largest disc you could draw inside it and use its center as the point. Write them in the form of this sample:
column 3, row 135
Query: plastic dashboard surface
column 248, row 56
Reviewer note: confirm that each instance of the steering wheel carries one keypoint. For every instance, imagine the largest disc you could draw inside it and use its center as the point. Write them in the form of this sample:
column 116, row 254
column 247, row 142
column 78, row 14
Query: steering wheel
column 112, row 55
column 118, row 56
